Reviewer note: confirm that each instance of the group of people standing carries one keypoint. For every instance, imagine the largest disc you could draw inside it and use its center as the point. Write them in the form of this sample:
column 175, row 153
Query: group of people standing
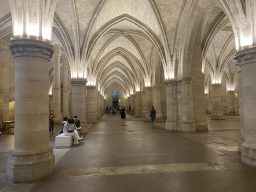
column 123, row 113
column 69, row 127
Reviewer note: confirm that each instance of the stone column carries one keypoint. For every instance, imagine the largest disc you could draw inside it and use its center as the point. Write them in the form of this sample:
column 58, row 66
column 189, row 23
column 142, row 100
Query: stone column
column 186, row 120
column 138, row 104
column 143, row 103
column 148, row 103
column 171, row 102
column 4, row 80
column 217, row 112
column 231, row 110
column 132, row 103
column 129, row 102
column 70, row 100
column 98, row 105
column 247, row 62
column 79, row 102
column 91, row 104
column 102, row 105
column 56, row 91
column 32, row 158
column 65, row 102
column 157, row 102
column 240, row 88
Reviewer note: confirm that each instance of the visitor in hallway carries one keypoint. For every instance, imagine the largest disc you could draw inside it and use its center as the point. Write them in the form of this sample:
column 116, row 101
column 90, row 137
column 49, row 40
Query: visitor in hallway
column 51, row 121
column 107, row 110
column 78, row 127
column 65, row 121
column 130, row 108
column 153, row 116
column 123, row 115
column 69, row 130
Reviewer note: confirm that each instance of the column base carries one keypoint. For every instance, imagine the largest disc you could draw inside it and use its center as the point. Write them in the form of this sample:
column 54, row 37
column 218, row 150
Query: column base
column 171, row 125
column 217, row 116
column 159, row 120
column 248, row 155
column 147, row 119
column 29, row 167
column 187, row 126
column 201, row 126
column 84, row 127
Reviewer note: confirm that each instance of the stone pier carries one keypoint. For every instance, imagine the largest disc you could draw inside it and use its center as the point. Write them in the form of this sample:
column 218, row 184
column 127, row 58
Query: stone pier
column 32, row 158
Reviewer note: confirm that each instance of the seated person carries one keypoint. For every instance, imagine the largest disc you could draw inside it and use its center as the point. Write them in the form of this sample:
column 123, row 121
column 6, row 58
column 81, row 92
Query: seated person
column 65, row 120
column 78, row 127
column 69, row 130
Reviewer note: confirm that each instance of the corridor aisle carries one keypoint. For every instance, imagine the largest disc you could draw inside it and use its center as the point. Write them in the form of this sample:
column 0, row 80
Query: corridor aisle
column 130, row 155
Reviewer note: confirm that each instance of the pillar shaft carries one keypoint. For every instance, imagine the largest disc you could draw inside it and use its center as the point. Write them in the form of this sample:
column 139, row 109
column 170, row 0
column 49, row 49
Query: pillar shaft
column 171, row 102
column 217, row 112
column 4, row 80
column 91, row 104
column 65, row 101
column 132, row 103
column 56, row 91
column 138, row 104
column 231, row 110
column 98, row 105
column 32, row 158
column 79, row 101
column 247, row 62
column 157, row 90
column 148, row 103
column 186, row 110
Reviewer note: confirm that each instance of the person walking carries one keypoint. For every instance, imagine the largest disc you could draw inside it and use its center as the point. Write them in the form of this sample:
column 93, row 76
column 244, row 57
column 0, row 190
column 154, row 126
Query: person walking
column 153, row 116
column 51, row 121
column 122, row 112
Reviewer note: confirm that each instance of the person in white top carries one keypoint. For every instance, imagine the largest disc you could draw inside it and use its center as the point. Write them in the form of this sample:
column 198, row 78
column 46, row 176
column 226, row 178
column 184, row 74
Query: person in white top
column 68, row 130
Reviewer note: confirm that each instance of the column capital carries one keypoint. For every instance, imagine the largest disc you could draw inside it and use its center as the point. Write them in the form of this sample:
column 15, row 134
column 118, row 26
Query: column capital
column 246, row 56
column 27, row 47
column 148, row 88
column 170, row 82
column 187, row 80
column 78, row 81
column 215, row 85
column 157, row 86
column 91, row 87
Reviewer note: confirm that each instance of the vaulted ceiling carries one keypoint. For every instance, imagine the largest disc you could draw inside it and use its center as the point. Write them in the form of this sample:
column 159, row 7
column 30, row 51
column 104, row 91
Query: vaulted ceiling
column 122, row 41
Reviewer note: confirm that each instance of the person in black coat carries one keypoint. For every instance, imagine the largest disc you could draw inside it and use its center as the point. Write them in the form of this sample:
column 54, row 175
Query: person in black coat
column 123, row 115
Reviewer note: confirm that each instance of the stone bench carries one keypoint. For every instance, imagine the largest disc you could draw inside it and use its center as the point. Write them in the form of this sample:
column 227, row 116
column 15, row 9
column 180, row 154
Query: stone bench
column 62, row 141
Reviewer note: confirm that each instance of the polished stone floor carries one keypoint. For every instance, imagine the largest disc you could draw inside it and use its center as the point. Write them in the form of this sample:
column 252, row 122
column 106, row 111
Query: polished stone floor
column 130, row 155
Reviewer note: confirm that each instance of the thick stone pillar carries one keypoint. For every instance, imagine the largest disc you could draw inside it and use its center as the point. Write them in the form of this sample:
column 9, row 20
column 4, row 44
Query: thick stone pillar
column 91, row 104
column 138, row 104
column 4, row 80
column 129, row 103
column 56, row 91
column 157, row 90
column 247, row 62
column 148, row 103
column 70, row 100
column 65, row 98
column 241, row 109
column 231, row 110
column 32, row 158
column 171, row 102
column 132, row 103
column 186, row 120
column 217, row 112
column 143, row 103
column 98, row 105
column 79, row 101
